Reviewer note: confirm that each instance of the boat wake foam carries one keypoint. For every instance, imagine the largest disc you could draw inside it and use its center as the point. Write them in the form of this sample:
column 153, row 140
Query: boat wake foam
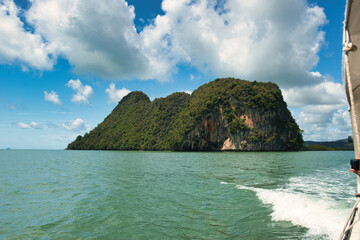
column 322, row 216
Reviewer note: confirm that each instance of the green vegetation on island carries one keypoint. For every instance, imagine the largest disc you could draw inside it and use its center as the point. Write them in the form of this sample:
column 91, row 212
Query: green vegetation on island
column 339, row 145
column 317, row 147
column 225, row 114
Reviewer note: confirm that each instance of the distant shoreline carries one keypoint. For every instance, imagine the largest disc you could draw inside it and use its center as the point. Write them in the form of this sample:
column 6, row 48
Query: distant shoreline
column 323, row 148
column 339, row 145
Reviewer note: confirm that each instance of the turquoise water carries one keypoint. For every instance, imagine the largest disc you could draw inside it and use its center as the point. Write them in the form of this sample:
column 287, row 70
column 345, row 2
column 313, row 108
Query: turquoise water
column 165, row 195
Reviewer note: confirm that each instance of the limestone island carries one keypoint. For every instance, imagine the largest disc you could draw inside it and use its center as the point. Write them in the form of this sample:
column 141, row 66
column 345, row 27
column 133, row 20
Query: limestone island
column 226, row 114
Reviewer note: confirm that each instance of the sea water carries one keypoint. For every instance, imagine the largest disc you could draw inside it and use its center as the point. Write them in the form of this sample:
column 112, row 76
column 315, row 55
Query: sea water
column 174, row 195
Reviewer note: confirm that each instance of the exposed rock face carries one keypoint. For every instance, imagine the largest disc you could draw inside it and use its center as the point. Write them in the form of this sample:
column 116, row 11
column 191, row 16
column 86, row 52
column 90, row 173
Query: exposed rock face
column 240, row 115
column 226, row 114
column 228, row 145
column 264, row 131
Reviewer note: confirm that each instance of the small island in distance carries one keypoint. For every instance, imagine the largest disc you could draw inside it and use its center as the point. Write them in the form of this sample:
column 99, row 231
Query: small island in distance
column 339, row 145
column 226, row 114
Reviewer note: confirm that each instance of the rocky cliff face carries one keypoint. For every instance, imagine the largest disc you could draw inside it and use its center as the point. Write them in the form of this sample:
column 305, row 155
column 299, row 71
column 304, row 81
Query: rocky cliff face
column 262, row 133
column 226, row 114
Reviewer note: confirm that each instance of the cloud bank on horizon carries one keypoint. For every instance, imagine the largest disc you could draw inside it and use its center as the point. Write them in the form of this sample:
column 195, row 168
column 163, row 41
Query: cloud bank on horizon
column 261, row 40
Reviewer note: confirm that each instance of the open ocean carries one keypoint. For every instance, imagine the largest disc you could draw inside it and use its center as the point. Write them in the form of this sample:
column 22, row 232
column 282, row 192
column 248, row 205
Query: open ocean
column 174, row 195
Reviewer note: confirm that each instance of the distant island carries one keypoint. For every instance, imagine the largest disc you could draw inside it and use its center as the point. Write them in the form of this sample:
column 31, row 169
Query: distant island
column 338, row 145
column 226, row 114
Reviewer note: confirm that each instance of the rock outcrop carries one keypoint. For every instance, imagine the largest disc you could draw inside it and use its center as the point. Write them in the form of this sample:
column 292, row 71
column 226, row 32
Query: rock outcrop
column 226, row 114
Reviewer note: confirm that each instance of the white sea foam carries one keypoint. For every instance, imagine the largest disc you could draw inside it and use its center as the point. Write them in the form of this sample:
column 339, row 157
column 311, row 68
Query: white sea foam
column 322, row 216
column 325, row 186
column 224, row 183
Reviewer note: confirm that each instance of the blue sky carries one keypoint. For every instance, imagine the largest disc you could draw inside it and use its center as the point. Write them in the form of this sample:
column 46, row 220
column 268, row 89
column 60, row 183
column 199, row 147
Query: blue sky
column 64, row 65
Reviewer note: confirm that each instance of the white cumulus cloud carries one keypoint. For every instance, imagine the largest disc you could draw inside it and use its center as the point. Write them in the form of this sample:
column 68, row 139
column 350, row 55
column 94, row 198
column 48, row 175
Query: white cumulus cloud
column 260, row 40
column 75, row 125
column 115, row 95
column 322, row 110
column 342, row 121
column 82, row 93
column 325, row 127
column 52, row 97
column 324, row 93
column 96, row 37
column 18, row 46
